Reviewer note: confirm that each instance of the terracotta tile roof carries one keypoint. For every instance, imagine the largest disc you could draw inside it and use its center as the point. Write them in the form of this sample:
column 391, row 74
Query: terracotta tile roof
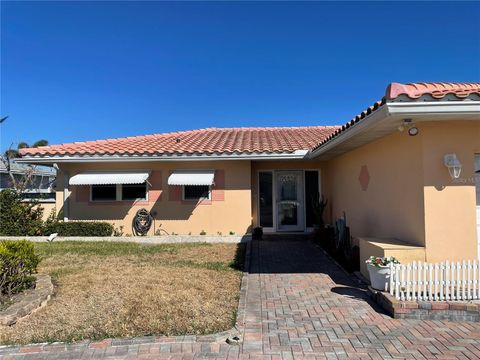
column 413, row 91
column 436, row 90
column 251, row 140
column 204, row 141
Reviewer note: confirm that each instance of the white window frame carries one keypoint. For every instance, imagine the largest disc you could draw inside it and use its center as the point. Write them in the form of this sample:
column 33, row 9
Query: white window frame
column 119, row 194
column 209, row 197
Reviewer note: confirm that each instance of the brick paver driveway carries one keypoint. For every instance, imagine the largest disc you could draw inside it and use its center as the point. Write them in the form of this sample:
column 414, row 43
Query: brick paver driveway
column 298, row 304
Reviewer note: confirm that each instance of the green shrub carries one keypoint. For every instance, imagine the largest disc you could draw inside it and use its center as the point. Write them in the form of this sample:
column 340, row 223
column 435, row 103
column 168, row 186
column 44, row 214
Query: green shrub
column 19, row 218
column 18, row 263
column 80, row 228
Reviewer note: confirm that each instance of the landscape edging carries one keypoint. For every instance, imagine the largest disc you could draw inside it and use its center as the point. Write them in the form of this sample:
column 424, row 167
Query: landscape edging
column 28, row 301
column 426, row 310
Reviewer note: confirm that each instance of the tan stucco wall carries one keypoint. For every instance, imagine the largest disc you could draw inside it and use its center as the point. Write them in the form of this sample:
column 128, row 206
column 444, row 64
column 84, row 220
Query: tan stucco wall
column 450, row 217
column 392, row 204
column 233, row 213
column 410, row 195
column 47, row 208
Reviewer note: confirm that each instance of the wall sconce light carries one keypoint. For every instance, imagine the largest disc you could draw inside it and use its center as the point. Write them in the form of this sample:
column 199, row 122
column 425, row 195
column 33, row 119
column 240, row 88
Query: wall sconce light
column 453, row 164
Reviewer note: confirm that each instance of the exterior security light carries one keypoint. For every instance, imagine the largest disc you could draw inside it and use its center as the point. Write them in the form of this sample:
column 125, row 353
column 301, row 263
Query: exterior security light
column 453, row 164
column 410, row 125
column 413, row 131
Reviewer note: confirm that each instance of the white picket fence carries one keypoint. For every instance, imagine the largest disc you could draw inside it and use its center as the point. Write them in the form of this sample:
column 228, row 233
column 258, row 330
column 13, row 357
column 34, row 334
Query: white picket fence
column 445, row 281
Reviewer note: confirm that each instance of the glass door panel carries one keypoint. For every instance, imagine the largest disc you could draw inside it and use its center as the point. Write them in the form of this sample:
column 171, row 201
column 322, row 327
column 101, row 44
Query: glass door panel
column 290, row 201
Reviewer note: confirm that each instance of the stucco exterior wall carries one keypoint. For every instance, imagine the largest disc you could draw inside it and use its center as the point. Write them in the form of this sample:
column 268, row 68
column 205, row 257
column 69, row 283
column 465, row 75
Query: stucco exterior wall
column 450, row 205
column 379, row 187
column 405, row 191
column 229, row 209
column 47, row 207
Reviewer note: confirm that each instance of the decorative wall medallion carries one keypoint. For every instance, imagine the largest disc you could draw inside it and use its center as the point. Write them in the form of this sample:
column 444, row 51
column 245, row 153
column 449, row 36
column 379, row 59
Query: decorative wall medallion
column 364, row 178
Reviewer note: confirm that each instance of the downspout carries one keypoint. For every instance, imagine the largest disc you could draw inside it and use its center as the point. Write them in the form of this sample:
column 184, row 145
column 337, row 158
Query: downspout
column 66, row 192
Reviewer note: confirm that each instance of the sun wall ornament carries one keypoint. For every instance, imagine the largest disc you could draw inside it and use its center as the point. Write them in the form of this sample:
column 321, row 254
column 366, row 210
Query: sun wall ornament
column 364, row 178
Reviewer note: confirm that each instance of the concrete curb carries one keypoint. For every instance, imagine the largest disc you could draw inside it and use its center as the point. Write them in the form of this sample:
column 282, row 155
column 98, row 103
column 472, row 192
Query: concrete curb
column 163, row 239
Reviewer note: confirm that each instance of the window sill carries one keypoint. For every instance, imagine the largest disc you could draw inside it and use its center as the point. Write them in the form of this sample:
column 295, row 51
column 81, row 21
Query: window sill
column 118, row 202
column 197, row 202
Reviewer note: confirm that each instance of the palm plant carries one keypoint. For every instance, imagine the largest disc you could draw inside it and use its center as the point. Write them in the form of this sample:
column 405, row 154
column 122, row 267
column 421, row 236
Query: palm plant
column 19, row 184
column 319, row 203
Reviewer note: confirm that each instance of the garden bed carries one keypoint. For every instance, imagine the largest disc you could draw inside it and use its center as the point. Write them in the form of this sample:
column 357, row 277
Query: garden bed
column 107, row 289
column 427, row 310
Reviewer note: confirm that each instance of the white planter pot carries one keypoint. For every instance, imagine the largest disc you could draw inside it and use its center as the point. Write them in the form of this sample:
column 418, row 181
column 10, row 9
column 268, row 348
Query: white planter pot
column 379, row 277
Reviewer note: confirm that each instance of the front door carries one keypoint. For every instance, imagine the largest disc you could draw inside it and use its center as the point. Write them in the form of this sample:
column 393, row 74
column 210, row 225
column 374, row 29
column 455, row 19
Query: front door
column 289, row 199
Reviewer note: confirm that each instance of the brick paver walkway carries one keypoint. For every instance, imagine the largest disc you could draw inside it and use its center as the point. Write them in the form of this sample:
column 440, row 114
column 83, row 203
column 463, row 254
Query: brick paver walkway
column 298, row 304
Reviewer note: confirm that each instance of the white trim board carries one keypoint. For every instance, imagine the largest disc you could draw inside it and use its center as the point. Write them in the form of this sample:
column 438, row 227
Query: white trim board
column 298, row 154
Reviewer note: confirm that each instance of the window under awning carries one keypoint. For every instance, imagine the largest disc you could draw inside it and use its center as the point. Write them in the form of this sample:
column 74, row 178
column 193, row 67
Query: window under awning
column 109, row 178
column 192, row 177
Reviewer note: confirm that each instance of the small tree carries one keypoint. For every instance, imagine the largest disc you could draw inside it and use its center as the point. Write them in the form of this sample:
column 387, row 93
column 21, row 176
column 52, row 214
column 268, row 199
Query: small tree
column 19, row 184
column 19, row 218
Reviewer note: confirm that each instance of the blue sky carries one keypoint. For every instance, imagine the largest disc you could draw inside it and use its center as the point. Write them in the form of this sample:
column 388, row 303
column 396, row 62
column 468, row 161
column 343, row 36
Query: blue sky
column 74, row 71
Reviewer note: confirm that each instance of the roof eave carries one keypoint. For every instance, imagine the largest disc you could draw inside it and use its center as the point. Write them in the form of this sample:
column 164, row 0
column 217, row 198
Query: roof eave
column 51, row 159
column 370, row 120
column 387, row 118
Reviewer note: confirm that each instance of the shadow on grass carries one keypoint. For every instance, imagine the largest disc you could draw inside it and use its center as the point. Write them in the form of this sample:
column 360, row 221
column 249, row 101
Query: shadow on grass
column 238, row 262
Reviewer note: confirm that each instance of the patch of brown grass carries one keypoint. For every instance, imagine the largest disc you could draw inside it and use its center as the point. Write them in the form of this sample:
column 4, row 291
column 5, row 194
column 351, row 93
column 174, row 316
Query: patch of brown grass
column 191, row 290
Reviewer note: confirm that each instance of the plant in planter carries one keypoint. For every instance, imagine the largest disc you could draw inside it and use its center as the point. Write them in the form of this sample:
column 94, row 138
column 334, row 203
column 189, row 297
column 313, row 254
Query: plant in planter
column 379, row 271
column 319, row 203
column 257, row 233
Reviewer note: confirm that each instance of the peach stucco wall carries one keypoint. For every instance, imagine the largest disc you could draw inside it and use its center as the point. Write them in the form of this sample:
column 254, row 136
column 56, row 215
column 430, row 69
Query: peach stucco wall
column 47, row 208
column 229, row 209
column 379, row 188
column 408, row 193
column 450, row 205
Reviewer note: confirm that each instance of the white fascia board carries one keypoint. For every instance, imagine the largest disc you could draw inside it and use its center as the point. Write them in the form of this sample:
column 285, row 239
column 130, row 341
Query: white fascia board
column 298, row 154
column 434, row 107
column 380, row 114
column 397, row 110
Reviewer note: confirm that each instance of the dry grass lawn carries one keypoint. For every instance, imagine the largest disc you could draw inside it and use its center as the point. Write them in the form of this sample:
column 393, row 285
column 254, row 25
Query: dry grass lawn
column 125, row 289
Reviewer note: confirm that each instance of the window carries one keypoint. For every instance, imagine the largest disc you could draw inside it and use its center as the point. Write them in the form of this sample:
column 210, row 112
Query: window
column 125, row 192
column 266, row 199
column 104, row 192
column 134, row 191
column 311, row 192
column 196, row 192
